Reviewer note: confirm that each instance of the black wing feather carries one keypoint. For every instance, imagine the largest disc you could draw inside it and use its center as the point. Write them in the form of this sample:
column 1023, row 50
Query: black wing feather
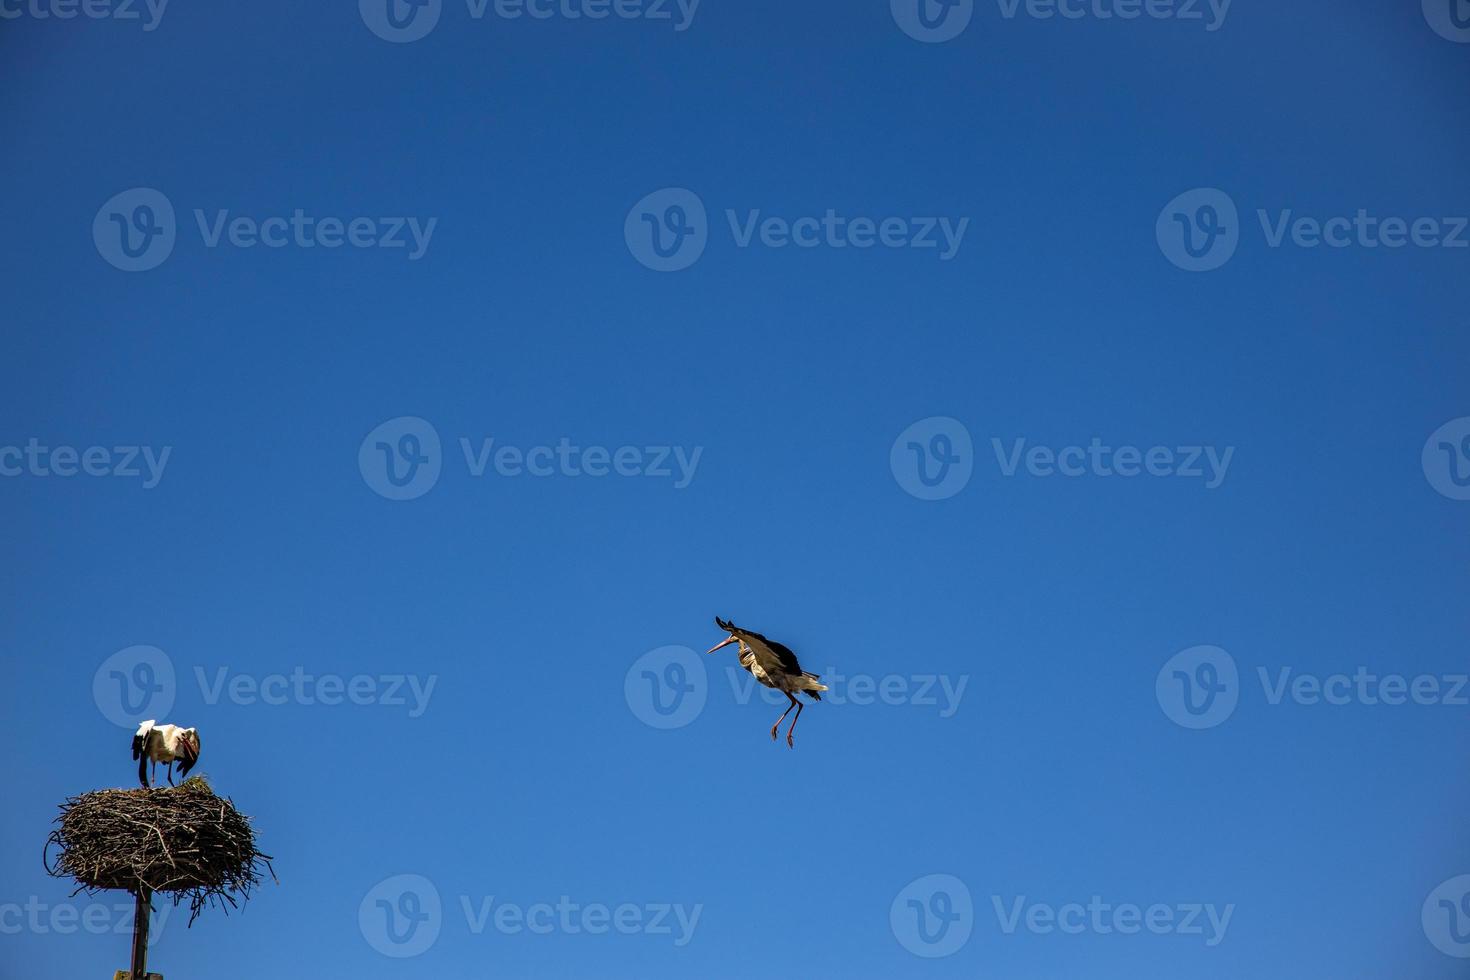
column 784, row 654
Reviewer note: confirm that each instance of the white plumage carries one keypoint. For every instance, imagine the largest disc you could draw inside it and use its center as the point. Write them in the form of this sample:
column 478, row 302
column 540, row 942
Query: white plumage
column 167, row 744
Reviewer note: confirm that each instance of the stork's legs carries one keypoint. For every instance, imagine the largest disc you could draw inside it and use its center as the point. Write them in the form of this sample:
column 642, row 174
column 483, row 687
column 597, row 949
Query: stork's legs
column 794, row 704
column 790, row 736
column 171, row 772
column 791, row 732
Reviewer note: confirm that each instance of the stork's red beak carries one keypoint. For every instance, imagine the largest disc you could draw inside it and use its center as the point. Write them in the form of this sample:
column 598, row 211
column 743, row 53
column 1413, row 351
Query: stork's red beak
column 723, row 643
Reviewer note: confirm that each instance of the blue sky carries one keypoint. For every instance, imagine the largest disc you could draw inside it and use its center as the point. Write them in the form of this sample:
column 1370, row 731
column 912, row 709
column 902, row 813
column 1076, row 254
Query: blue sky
column 1067, row 691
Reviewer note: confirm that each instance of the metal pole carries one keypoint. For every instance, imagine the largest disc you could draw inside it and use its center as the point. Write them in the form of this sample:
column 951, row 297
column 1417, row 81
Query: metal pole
column 141, row 915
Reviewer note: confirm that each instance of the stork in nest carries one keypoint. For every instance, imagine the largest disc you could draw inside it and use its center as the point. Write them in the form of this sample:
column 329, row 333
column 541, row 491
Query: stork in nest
column 164, row 743
column 775, row 666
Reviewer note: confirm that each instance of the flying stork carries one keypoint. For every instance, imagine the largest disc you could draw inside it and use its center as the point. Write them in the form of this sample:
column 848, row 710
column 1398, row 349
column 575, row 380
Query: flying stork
column 167, row 744
column 774, row 665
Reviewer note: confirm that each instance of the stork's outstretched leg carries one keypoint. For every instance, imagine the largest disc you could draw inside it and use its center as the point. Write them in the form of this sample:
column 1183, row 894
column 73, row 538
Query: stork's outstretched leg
column 794, row 704
column 791, row 732
column 171, row 770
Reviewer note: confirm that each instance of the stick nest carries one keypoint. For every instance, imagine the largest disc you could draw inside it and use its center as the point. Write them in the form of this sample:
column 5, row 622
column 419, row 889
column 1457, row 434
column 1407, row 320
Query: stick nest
column 184, row 842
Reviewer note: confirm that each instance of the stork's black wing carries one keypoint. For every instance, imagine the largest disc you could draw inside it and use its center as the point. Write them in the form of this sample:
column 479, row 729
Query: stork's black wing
column 784, row 656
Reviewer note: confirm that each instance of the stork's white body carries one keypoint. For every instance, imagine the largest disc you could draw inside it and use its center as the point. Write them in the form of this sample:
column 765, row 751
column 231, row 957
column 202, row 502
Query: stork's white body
column 167, row 744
